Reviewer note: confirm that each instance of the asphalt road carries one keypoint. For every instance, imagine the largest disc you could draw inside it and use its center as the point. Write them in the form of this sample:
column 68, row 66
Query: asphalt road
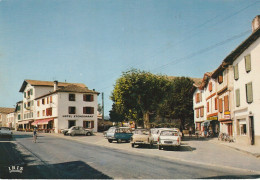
column 53, row 157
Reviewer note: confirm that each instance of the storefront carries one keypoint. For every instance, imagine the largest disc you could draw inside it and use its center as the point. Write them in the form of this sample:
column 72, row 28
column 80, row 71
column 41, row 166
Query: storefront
column 44, row 125
column 25, row 125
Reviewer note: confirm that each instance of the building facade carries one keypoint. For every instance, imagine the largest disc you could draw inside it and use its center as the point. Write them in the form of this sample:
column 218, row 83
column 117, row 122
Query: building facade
column 4, row 115
column 52, row 106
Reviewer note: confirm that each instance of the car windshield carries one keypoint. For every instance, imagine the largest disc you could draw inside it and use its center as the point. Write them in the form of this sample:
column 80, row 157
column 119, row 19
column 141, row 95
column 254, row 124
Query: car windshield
column 141, row 131
column 5, row 128
column 169, row 133
column 111, row 130
column 154, row 131
column 123, row 130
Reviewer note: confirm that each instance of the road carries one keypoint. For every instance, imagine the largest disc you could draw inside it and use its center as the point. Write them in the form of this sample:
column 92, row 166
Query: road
column 55, row 157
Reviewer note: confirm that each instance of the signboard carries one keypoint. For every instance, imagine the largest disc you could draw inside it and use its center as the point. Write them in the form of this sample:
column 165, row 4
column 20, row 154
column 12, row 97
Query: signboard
column 226, row 116
column 212, row 118
column 77, row 116
column 227, row 113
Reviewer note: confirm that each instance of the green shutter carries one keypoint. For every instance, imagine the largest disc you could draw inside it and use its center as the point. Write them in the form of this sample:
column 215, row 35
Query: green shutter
column 237, row 97
column 249, row 92
column 24, row 94
column 31, row 92
column 248, row 62
column 236, row 75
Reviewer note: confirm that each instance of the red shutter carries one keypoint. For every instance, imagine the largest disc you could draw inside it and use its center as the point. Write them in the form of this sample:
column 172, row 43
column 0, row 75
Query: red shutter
column 197, row 113
column 210, row 86
column 84, row 97
column 92, row 110
column 84, row 124
column 201, row 111
column 216, row 103
column 84, row 110
column 50, row 99
column 38, row 103
column 92, row 98
column 220, row 105
column 47, row 112
column 226, row 104
column 92, row 124
column 207, row 106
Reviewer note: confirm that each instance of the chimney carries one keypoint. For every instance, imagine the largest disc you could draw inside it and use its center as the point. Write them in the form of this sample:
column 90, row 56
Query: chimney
column 55, row 85
column 255, row 23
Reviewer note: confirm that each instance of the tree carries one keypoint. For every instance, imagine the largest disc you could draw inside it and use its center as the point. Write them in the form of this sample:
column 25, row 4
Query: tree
column 139, row 91
column 179, row 104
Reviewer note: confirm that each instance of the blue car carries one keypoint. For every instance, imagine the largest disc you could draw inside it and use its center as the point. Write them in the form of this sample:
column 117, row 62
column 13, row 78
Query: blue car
column 119, row 134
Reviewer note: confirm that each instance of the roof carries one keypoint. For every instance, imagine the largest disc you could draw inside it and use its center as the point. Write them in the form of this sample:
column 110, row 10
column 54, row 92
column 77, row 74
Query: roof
column 197, row 81
column 5, row 110
column 237, row 52
column 70, row 88
column 47, row 83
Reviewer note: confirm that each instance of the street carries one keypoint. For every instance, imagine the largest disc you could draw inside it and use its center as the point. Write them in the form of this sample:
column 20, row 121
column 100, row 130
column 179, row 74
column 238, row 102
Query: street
column 54, row 156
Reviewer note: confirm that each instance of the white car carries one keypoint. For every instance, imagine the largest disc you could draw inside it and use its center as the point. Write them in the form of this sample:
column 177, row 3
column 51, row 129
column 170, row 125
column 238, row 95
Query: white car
column 155, row 132
column 169, row 138
column 5, row 132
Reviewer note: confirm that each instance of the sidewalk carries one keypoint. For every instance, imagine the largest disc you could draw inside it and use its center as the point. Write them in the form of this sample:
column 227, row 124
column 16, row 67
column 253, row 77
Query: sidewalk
column 249, row 149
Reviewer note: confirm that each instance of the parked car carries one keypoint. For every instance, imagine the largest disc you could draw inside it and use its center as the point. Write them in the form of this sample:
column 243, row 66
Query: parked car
column 65, row 131
column 155, row 132
column 79, row 130
column 6, row 132
column 119, row 134
column 169, row 138
column 142, row 136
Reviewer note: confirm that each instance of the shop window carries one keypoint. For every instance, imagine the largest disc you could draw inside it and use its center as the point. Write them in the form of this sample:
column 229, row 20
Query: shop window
column 72, row 97
column 88, row 97
column 72, row 110
column 248, row 63
column 242, row 129
column 88, row 110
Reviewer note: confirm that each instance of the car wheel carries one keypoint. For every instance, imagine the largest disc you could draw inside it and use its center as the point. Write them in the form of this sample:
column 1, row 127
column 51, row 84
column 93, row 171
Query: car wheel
column 151, row 145
column 119, row 141
column 133, row 145
column 88, row 134
column 159, row 147
column 73, row 134
column 110, row 140
column 178, row 148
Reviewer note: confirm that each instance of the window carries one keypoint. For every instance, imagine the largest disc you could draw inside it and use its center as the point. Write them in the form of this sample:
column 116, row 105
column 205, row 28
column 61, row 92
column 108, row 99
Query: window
column 43, row 101
column 248, row 63
column 31, row 91
column 29, row 104
column 24, row 105
column 201, row 111
column 226, row 103
column 38, row 113
column 242, row 129
column 88, row 110
column 88, row 124
column 220, row 78
column 18, row 108
column 210, row 86
column 249, row 92
column 38, row 103
column 72, row 110
column 88, row 97
column 49, row 112
column 72, row 97
column 43, row 112
column 237, row 97
column 19, row 117
column 236, row 75
column 220, row 103
column 71, row 123
column 216, row 104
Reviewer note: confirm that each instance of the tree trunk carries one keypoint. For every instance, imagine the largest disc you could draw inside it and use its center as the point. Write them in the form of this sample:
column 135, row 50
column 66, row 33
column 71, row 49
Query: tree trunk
column 146, row 120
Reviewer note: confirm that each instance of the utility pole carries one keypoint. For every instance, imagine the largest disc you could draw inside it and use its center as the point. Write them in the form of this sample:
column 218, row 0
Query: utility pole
column 103, row 107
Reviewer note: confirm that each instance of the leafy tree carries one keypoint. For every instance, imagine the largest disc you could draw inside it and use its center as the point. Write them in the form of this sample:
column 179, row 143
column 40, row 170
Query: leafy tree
column 138, row 93
column 179, row 104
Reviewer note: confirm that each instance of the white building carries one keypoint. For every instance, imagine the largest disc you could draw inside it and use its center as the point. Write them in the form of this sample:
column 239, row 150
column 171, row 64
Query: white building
column 11, row 120
column 53, row 106
column 245, row 60
column 3, row 116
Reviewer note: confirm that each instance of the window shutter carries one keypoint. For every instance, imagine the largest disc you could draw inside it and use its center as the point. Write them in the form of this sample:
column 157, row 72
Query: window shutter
column 226, row 103
column 216, row 103
column 24, row 94
column 248, row 62
column 249, row 92
column 236, row 75
column 92, row 110
column 31, row 92
column 210, row 86
column 92, row 124
column 237, row 97
column 91, row 98
column 50, row 99
column 200, row 96
column 207, row 106
column 84, row 110
column 197, row 113
column 201, row 111
column 220, row 105
column 84, row 97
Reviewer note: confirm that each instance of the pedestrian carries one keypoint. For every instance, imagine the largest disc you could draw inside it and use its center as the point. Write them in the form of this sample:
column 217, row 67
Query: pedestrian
column 34, row 135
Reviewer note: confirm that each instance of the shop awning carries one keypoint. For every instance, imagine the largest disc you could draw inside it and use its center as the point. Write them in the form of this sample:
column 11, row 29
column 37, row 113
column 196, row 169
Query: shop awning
column 42, row 121
column 24, row 122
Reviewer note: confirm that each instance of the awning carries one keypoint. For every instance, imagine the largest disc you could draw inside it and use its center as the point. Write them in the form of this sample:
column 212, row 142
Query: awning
column 42, row 121
column 24, row 122
column 227, row 122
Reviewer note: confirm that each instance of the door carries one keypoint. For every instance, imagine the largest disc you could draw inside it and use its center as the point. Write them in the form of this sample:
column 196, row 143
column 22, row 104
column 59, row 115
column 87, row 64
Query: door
column 230, row 131
column 71, row 123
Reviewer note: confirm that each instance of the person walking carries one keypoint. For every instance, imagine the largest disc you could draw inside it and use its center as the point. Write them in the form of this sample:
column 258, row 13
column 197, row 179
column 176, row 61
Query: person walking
column 34, row 135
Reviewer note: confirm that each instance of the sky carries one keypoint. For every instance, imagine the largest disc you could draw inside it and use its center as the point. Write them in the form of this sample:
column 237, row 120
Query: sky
column 94, row 41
